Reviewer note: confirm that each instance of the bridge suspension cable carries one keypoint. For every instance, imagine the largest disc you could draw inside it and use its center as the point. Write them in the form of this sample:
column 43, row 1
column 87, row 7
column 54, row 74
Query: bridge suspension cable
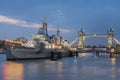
column 73, row 42
column 117, row 41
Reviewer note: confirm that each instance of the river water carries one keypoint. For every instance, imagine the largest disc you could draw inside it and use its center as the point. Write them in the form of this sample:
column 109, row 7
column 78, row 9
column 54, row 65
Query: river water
column 87, row 66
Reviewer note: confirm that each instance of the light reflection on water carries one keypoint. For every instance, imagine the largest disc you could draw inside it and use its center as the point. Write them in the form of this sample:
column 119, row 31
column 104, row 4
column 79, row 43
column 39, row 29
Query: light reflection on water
column 12, row 70
column 113, row 69
column 113, row 61
column 86, row 66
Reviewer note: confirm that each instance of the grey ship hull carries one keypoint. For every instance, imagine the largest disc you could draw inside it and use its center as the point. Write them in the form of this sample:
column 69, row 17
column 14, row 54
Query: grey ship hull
column 21, row 53
column 18, row 53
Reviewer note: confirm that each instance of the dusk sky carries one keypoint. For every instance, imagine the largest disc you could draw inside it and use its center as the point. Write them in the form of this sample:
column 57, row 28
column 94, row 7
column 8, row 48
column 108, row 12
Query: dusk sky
column 24, row 17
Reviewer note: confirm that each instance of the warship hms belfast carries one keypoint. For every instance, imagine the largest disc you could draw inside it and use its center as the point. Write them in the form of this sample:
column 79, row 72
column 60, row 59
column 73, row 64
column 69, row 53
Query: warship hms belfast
column 41, row 45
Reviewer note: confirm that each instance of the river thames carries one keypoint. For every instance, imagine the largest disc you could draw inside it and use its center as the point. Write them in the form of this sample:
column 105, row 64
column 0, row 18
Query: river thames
column 87, row 66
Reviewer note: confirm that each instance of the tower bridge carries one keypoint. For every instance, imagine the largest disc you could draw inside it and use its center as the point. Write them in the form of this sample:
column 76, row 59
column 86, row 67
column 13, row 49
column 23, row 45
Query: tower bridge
column 110, row 41
column 82, row 36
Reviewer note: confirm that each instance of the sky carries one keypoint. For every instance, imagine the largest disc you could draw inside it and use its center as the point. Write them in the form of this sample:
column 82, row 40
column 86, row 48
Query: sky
column 24, row 17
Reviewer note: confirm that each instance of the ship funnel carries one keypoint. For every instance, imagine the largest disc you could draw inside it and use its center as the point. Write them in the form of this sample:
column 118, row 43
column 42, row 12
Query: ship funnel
column 58, row 32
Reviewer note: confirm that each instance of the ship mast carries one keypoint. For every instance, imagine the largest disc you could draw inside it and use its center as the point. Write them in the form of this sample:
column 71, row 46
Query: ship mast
column 45, row 25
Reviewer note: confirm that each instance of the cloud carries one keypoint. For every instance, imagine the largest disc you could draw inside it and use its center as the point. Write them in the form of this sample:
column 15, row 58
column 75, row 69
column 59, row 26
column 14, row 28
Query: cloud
column 5, row 19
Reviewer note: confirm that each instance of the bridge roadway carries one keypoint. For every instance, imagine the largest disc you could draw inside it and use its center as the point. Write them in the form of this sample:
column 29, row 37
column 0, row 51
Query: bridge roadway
column 104, row 50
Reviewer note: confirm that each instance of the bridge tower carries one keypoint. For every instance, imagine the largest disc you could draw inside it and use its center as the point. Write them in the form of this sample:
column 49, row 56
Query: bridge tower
column 110, row 36
column 81, row 39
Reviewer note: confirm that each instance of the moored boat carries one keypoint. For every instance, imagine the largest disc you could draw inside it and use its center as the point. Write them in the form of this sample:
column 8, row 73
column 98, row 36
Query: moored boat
column 39, row 46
